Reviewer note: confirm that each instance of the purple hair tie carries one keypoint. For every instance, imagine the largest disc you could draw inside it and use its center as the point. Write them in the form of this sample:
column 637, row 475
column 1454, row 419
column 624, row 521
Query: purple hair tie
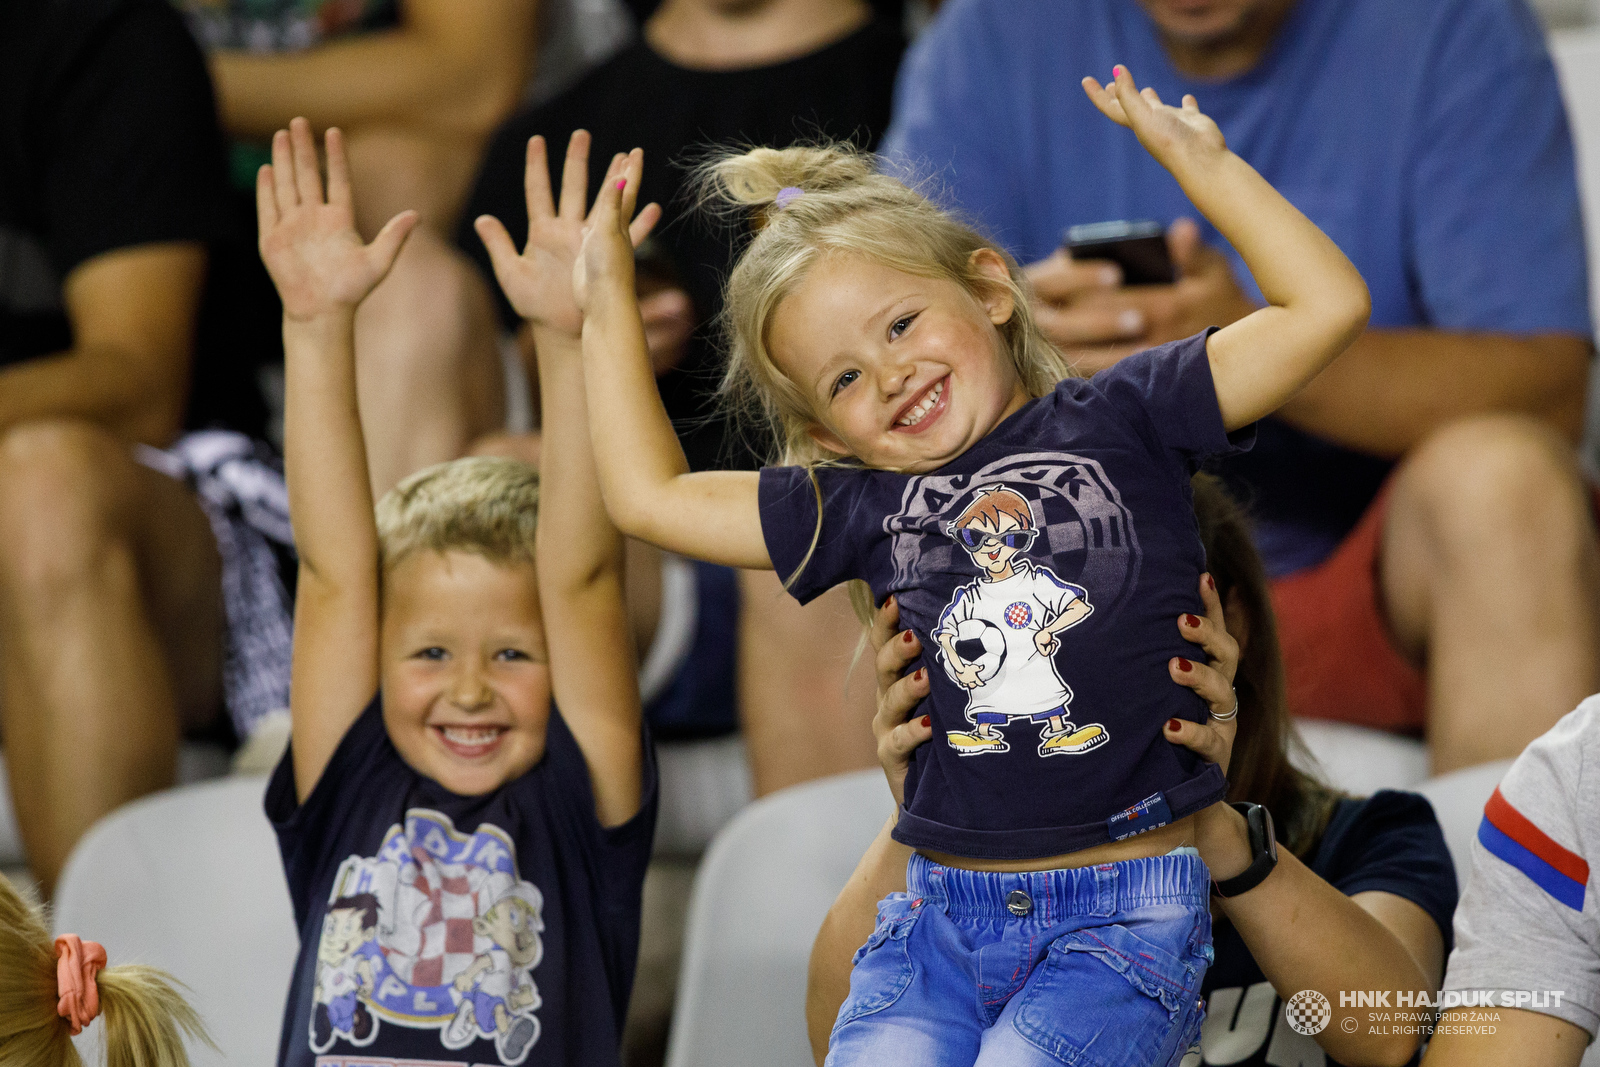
column 787, row 195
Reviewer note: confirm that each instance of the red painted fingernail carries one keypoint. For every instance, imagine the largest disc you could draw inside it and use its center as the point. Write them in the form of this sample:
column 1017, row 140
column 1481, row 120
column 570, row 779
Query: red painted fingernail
column 1116, row 71
column 922, row 673
column 1209, row 583
column 1191, row 620
column 622, row 183
column 927, row 720
column 1184, row 665
column 908, row 637
column 1173, row 724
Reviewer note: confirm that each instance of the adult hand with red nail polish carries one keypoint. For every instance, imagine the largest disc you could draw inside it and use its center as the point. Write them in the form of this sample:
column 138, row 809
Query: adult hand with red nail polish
column 1212, row 679
column 899, row 693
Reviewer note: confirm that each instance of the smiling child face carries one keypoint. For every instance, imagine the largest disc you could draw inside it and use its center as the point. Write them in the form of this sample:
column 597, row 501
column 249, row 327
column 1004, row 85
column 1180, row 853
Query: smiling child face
column 902, row 372
column 466, row 679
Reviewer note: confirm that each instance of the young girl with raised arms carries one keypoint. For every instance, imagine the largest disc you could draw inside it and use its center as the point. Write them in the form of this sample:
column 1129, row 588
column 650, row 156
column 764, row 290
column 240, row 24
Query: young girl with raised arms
column 1036, row 530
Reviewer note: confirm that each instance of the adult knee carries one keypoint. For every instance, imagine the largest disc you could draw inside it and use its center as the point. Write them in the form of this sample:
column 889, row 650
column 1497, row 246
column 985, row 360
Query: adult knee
column 60, row 481
column 431, row 317
column 1495, row 487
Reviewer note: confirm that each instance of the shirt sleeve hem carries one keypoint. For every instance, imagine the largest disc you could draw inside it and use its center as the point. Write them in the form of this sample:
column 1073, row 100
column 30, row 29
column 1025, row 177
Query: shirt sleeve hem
column 1472, row 972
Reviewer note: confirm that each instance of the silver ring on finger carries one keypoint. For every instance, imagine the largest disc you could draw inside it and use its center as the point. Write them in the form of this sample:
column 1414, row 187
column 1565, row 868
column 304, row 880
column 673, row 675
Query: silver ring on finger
column 1230, row 716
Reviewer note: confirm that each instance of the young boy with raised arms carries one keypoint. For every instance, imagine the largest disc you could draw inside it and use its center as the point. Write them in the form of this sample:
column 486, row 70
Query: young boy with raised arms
column 464, row 859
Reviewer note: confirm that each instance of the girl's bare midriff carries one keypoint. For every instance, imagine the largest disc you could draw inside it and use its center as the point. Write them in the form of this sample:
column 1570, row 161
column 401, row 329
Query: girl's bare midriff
column 1156, row 842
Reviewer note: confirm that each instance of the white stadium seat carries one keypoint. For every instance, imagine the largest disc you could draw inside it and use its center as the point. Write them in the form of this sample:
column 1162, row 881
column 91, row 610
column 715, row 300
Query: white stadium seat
column 189, row 881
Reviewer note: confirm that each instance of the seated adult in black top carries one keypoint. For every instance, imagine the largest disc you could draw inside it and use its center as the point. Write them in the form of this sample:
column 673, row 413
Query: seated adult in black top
column 111, row 604
column 719, row 72
column 690, row 83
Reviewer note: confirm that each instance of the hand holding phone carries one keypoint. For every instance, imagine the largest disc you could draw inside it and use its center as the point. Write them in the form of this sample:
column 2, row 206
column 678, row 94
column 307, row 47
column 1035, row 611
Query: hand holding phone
column 1139, row 248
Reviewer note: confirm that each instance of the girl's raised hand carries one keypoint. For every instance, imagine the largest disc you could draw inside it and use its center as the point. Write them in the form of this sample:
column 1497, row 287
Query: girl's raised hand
column 605, row 264
column 538, row 282
column 310, row 244
column 1174, row 135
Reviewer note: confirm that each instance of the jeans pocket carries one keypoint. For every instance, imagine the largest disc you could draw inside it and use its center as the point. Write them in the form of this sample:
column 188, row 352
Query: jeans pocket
column 881, row 970
column 1106, row 997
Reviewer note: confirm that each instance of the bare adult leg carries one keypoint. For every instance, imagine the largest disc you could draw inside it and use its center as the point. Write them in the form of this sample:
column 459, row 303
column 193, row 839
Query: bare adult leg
column 804, row 711
column 110, row 629
column 429, row 378
column 1491, row 581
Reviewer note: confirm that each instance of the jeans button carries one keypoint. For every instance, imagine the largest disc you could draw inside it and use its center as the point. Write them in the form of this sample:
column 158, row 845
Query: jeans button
column 1019, row 903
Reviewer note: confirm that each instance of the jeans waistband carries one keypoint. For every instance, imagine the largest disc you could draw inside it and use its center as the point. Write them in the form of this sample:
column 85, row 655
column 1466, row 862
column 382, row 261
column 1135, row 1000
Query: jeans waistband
column 1057, row 895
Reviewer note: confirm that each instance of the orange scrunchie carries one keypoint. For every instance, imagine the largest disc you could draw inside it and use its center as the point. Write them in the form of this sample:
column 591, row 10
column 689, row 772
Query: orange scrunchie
column 77, row 962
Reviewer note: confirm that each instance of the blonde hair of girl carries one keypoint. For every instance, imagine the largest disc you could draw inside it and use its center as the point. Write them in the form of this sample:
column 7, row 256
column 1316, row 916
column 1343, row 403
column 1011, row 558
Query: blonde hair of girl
column 145, row 1017
column 844, row 206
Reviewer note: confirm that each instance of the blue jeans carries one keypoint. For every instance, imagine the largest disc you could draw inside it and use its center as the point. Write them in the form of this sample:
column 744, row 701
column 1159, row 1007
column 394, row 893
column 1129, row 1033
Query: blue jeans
column 1093, row 967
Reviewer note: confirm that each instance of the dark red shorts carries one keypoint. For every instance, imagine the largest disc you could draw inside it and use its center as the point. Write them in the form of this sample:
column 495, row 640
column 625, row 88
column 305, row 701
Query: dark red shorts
column 1338, row 656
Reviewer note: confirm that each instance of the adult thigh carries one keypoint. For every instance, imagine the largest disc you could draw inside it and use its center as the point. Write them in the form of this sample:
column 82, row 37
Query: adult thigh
column 1493, row 500
column 72, row 493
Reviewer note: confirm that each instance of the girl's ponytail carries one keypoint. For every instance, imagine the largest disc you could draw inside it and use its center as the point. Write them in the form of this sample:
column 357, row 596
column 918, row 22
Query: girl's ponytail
column 143, row 1013
column 754, row 182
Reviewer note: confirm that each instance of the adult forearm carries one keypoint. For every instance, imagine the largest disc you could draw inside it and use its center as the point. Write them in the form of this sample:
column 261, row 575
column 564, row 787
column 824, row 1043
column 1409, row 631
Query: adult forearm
column 849, row 923
column 1392, row 388
column 1305, row 934
column 325, row 457
column 137, row 398
column 461, row 74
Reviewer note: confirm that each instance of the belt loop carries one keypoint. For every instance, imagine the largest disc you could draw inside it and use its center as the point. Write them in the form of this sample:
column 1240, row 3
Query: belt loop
column 1105, row 889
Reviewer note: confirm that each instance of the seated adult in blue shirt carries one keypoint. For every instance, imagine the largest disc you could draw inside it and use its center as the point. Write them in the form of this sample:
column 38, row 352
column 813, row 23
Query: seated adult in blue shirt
column 1418, row 505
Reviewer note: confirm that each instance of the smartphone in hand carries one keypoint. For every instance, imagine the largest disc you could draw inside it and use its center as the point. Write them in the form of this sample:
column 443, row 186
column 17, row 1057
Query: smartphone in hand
column 1139, row 248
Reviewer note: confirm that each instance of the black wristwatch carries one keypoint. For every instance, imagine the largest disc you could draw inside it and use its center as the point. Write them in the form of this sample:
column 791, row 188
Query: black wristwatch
column 1263, row 845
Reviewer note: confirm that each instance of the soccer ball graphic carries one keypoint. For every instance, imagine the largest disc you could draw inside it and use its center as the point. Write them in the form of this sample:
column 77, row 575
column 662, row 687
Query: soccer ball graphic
column 981, row 644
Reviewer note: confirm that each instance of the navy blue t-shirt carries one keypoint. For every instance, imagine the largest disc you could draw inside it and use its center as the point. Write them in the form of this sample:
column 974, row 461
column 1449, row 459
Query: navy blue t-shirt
column 1387, row 843
column 1073, row 516
column 442, row 929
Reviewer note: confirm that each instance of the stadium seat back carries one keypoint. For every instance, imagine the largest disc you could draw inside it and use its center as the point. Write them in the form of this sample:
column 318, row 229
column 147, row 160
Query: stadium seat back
column 189, row 881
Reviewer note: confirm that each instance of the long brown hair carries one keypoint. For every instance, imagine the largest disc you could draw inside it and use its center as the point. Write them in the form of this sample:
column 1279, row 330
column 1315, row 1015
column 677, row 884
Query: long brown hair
column 144, row 1015
column 1260, row 769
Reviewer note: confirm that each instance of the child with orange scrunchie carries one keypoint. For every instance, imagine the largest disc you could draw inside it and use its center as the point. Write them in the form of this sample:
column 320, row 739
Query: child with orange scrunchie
column 51, row 988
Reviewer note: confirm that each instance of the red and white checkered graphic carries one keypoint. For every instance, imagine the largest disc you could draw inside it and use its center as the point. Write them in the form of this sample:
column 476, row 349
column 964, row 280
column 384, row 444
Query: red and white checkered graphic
column 456, row 894
column 1019, row 615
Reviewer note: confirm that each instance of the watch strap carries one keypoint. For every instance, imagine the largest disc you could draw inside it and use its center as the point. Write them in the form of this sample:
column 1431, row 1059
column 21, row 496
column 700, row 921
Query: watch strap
column 1262, row 843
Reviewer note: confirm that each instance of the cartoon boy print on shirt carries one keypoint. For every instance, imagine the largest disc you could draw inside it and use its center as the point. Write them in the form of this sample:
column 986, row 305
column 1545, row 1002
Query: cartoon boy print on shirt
column 437, row 931
column 497, row 995
column 345, row 973
column 998, row 635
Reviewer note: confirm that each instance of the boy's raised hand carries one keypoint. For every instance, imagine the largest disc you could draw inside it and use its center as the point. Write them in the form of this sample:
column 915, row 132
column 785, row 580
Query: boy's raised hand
column 538, row 282
column 310, row 244
column 1174, row 135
